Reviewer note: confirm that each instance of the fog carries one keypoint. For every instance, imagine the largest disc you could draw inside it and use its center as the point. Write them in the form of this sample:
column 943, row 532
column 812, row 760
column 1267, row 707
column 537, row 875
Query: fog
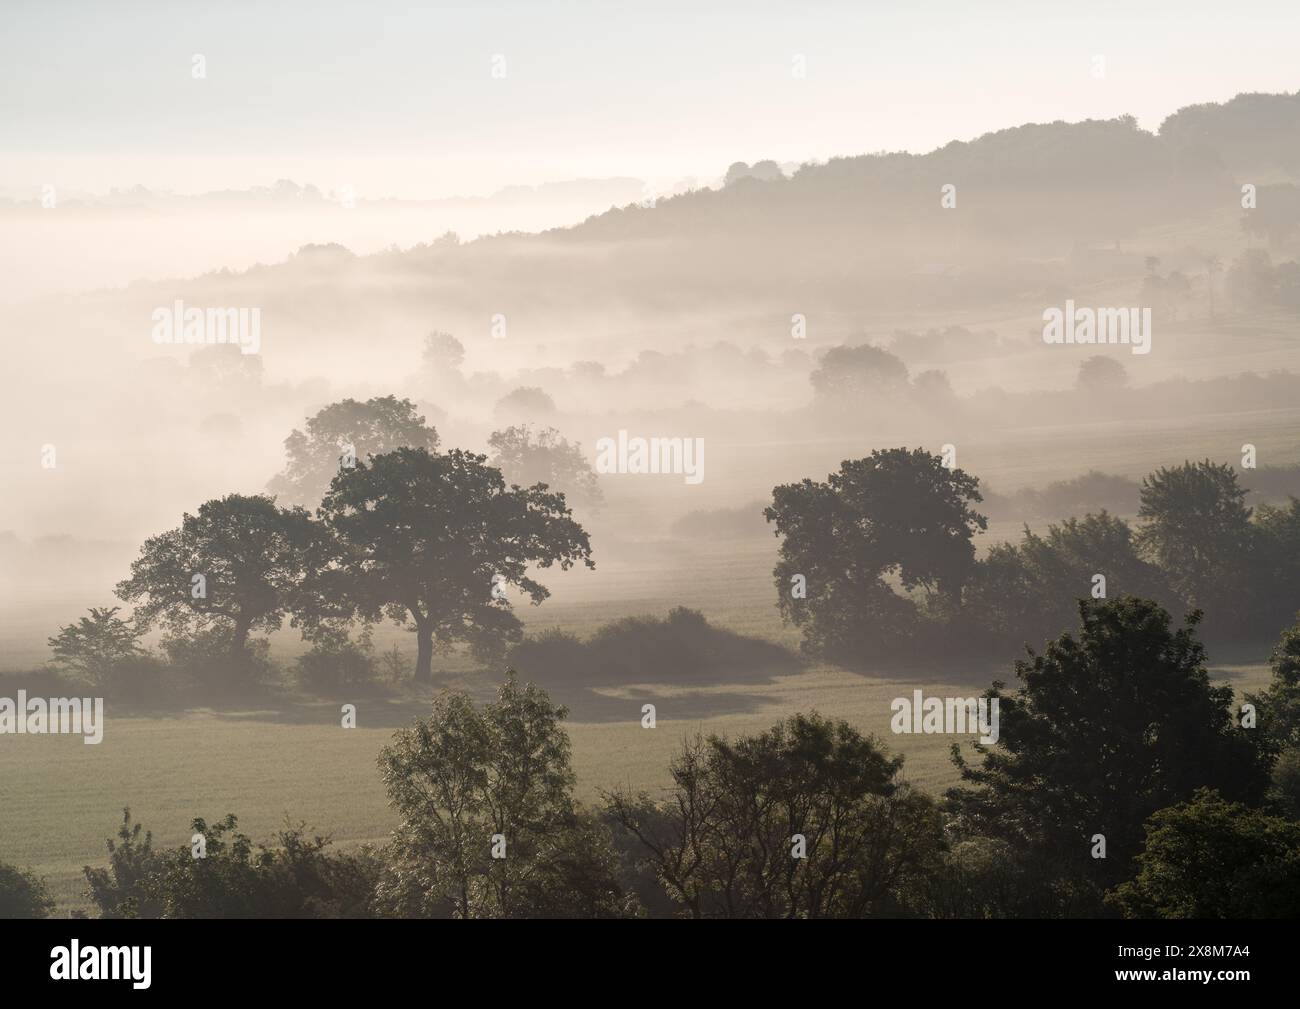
column 705, row 313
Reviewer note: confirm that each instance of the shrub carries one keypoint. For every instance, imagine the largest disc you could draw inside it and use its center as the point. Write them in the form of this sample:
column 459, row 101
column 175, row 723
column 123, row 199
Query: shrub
column 337, row 663
column 296, row 877
column 682, row 647
column 203, row 658
column 22, row 894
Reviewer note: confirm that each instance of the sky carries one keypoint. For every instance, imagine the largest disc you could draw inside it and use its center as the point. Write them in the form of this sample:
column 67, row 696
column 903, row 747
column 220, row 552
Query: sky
column 400, row 99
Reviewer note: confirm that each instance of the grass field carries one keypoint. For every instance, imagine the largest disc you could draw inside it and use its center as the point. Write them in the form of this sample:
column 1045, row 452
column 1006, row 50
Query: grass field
column 63, row 798
column 60, row 799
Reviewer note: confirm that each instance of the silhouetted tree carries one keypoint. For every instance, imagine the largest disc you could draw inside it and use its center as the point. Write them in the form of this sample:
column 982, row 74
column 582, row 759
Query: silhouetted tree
column 736, row 171
column 443, row 353
column 251, row 556
column 96, row 645
column 121, row 889
column 898, row 512
column 468, row 780
column 1029, row 592
column 434, row 539
column 805, row 820
column 1106, row 728
column 1196, row 527
column 1275, row 576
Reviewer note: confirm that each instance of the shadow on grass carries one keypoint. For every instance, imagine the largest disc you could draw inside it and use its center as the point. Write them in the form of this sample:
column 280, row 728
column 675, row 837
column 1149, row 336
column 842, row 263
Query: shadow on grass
column 605, row 707
column 373, row 711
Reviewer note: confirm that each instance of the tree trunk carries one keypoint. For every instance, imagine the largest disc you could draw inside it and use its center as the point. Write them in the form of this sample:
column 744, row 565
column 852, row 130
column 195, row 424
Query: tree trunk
column 239, row 647
column 424, row 653
column 239, row 640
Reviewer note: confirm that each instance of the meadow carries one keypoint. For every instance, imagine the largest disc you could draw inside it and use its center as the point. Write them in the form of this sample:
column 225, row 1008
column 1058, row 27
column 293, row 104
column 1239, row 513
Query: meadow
column 291, row 760
column 60, row 799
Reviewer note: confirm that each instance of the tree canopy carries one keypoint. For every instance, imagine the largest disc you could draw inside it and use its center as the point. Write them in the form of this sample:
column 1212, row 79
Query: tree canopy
column 1108, row 726
column 898, row 512
column 237, row 564
column 434, row 539
column 805, row 820
column 342, row 432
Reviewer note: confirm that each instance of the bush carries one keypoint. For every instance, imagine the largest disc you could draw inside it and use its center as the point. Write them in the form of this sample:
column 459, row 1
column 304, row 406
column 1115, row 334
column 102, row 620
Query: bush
column 1091, row 492
column 294, row 878
column 683, row 647
column 43, row 681
column 141, row 678
column 98, row 646
column 23, row 895
column 745, row 522
column 984, row 877
column 337, row 663
column 121, row 890
column 203, row 658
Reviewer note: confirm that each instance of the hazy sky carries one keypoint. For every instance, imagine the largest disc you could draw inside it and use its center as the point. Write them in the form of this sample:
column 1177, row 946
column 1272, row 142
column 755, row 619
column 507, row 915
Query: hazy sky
column 399, row 98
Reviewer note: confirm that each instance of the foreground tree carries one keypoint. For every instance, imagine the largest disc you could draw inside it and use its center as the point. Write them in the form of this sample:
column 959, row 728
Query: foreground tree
column 296, row 876
column 123, row 889
column 237, row 565
column 434, row 539
column 1107, row 727
column 1208, row 858
column 341, row 433
column 489, row 826
column 806, row 820
column 22, row 894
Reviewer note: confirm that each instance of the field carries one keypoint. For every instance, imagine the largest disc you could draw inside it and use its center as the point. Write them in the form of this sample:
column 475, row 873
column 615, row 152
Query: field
column 61, row 799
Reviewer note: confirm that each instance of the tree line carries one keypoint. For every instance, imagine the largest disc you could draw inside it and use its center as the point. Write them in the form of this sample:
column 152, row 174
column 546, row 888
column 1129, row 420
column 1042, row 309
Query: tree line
column 428, row 539
column 878, row 561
